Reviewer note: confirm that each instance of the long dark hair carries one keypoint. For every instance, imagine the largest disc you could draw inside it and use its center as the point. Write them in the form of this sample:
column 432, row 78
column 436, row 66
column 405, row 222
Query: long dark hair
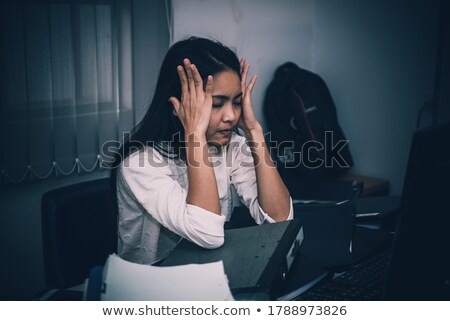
column 159, row 123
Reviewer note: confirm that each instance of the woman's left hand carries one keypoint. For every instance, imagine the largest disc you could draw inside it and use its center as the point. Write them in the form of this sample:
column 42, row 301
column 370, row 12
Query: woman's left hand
column 248, row 122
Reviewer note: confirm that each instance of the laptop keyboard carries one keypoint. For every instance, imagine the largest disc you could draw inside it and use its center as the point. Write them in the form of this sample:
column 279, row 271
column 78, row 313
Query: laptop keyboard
column 363, row 282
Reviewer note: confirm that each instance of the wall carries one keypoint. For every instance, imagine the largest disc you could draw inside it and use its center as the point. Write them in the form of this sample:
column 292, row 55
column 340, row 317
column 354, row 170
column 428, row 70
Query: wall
column 379, row 61
column 377, row 57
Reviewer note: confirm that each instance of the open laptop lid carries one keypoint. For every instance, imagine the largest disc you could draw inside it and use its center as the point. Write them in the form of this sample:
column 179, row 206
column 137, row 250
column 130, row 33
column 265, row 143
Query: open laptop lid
column 420, row 264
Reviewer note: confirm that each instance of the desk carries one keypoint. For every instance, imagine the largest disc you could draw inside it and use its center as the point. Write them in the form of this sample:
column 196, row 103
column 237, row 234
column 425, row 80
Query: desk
column 365, row 243
column 335, row 188
column 371, row 186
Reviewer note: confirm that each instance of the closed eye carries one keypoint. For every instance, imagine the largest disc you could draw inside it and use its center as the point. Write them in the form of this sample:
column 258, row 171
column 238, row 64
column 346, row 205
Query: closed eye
column 219, row 101
column 237, row 101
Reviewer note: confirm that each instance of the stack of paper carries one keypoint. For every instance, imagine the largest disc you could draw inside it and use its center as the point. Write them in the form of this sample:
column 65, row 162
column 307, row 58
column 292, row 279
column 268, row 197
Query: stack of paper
column 124, row 280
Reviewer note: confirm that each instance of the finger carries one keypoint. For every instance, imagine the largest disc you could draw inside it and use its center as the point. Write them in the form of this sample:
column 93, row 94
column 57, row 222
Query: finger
column 251, row 85
column 184, row 82
column 208, row 91
column 198, row 82
column 209, row 87
column 175, row 103
column 244, row 78
column 242, row 64
column 190, row 77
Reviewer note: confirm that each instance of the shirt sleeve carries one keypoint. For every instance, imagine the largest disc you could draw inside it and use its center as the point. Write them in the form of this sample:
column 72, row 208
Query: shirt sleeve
column 148, row 176
column 243, row 177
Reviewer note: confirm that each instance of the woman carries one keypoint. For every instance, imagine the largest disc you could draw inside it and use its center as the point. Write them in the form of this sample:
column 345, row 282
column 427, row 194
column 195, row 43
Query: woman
column 179, row 163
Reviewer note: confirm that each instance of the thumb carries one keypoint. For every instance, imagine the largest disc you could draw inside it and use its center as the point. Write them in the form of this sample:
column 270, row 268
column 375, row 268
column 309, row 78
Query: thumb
column 175, row 103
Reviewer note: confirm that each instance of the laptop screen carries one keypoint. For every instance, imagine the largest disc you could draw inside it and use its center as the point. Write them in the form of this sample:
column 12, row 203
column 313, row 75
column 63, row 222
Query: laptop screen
column 420, row 264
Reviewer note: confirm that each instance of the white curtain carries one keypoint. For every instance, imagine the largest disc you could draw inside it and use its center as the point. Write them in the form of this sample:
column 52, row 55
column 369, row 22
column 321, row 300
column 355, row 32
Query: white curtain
column 66, row 82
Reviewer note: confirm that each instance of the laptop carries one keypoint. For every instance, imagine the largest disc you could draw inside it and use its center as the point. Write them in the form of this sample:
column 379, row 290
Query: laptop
column 418, row 264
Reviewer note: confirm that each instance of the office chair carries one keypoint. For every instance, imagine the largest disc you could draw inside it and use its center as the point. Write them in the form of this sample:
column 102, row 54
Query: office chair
column 78, row 231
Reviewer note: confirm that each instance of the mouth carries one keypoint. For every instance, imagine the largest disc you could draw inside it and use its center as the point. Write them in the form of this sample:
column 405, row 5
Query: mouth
column 226, row 131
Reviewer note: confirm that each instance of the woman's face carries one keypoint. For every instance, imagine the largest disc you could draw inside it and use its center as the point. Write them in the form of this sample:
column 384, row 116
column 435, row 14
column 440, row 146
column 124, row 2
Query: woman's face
column 226, row 108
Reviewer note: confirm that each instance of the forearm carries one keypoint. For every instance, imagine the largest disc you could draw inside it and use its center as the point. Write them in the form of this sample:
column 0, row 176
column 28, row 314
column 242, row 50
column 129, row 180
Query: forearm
column 202, row 185
column 273, row 196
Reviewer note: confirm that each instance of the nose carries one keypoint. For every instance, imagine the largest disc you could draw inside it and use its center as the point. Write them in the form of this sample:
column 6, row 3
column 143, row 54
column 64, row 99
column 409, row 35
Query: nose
column 229, row 113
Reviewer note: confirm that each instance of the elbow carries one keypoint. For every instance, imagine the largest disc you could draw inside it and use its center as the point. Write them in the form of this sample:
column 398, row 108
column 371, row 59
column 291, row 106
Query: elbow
column 284, row 213
column 284, row 217
column 211, row 242
column 204, row 228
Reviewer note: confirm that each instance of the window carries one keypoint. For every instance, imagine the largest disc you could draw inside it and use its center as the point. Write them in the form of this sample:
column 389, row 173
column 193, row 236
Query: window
column 66, row 82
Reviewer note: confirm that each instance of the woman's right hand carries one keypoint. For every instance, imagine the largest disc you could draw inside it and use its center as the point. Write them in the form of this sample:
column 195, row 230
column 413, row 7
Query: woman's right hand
column 194, row 110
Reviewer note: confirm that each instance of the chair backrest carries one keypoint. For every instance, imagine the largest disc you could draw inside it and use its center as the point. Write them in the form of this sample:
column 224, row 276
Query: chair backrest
column 78, row 231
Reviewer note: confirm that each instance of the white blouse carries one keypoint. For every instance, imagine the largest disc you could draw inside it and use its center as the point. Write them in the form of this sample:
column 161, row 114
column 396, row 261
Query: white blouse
column 154, row 215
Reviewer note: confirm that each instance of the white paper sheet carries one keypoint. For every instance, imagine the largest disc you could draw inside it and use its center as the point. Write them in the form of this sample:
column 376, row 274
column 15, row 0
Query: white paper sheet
column 130, row 281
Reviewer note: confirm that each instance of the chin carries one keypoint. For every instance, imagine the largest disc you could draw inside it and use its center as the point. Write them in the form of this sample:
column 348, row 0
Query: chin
column 219, row 142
